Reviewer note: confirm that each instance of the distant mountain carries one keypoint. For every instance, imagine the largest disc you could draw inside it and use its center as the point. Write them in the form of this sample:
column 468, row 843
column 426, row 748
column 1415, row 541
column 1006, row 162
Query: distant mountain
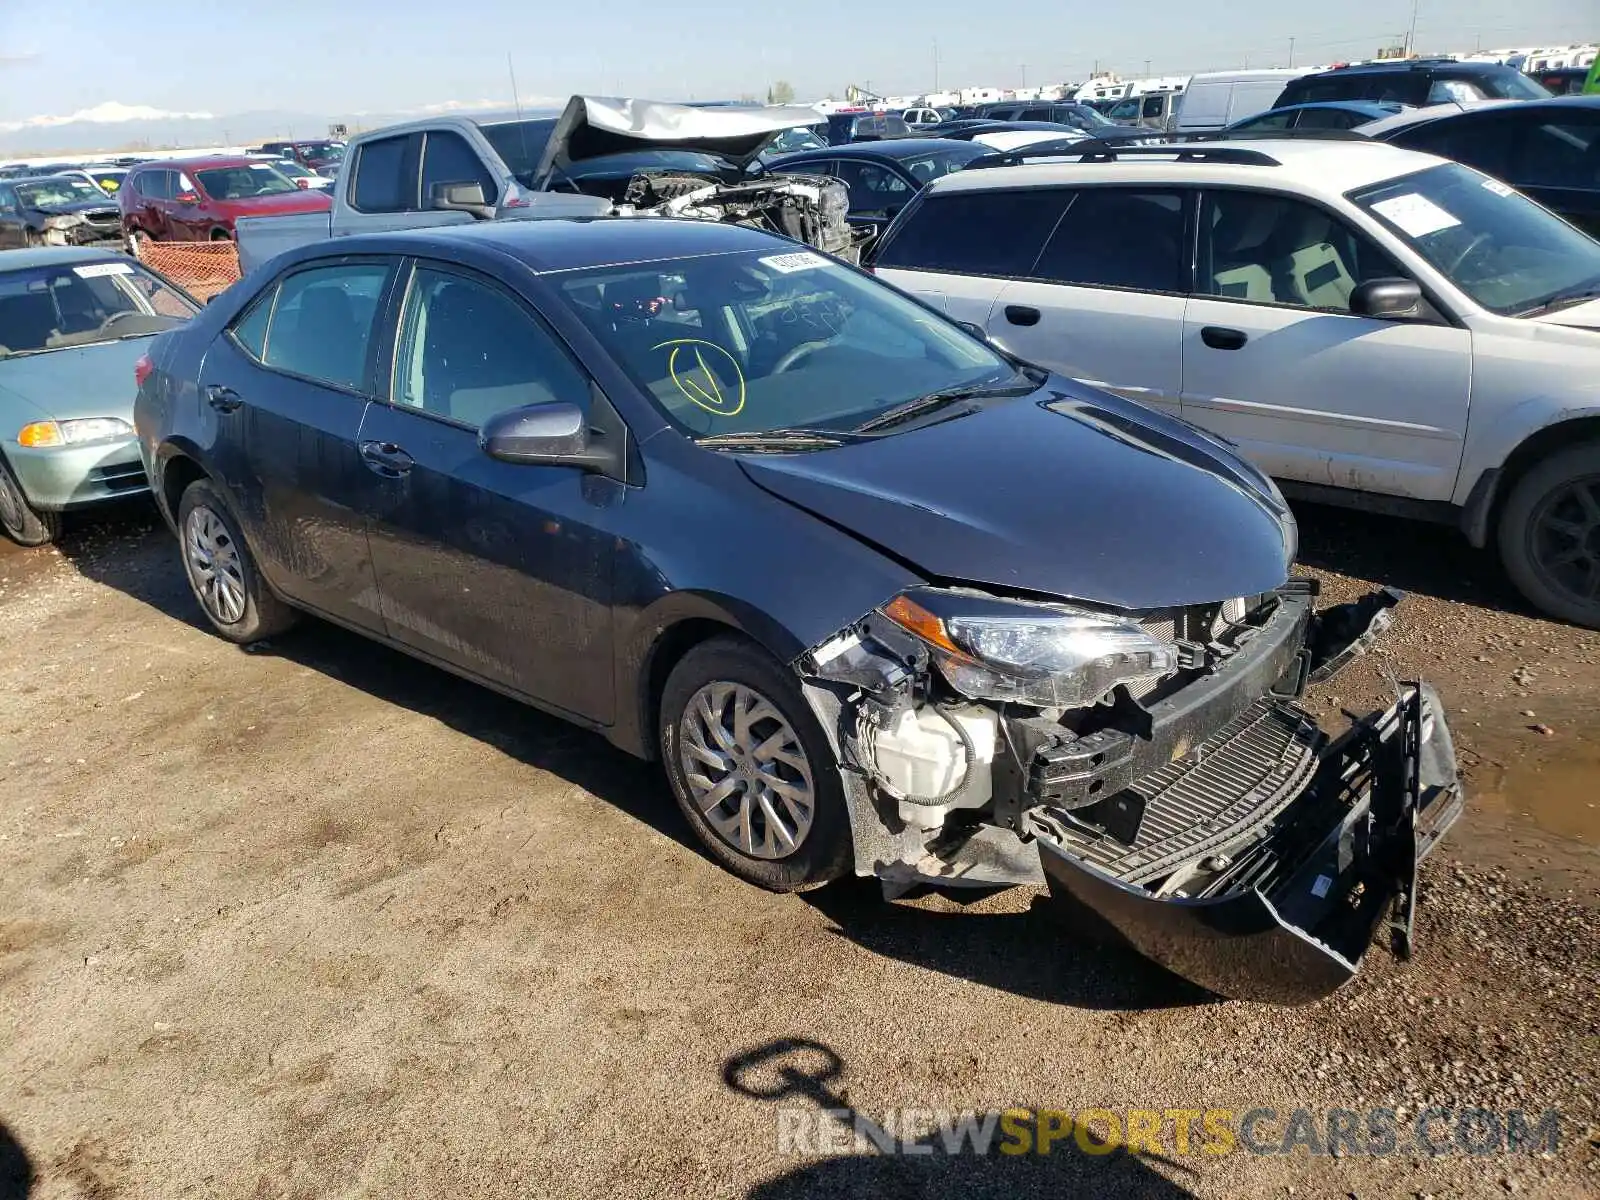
column 117, row 127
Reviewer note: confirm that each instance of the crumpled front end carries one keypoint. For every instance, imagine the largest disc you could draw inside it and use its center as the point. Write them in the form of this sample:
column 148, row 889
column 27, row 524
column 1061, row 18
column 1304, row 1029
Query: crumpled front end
column 807, row 208
column 1188, row 804
column 91, row 227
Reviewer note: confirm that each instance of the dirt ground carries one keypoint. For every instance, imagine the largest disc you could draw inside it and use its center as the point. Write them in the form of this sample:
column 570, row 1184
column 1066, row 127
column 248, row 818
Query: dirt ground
column 321, row 921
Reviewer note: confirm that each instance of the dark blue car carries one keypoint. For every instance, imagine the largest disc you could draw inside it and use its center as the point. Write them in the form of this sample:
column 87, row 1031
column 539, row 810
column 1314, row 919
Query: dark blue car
column 883, row 176
column 881, row 598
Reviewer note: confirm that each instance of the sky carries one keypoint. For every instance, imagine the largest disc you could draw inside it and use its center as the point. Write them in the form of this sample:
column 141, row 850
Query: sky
column 343, row 58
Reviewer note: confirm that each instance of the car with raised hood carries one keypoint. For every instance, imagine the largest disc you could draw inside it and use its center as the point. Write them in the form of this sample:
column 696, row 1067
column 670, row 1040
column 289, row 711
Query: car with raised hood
column 201, row 199
column 1372, row 326
column 73, row 323
column 599, row 157
column 882, row 599
column 56, row 211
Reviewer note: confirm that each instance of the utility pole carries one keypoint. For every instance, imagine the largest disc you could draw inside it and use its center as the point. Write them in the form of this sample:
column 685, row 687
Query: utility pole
column 936, row 65
column 1411, row 38
column 1024, row 74
column 1291, row 52
column 1147, row 68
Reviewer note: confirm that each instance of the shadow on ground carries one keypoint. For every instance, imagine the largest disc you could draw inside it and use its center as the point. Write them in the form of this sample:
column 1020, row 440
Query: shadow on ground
column 1415, row 556
column 16, row 1171
column 804, row 1082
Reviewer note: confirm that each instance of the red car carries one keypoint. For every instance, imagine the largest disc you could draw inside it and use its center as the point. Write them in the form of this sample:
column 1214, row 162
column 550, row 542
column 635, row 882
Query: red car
column 198, row 199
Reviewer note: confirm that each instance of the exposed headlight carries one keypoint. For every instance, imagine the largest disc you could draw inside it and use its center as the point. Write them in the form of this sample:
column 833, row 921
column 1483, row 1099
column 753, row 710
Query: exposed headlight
column 64, row 221
column 1046, row 655
column 43, row 434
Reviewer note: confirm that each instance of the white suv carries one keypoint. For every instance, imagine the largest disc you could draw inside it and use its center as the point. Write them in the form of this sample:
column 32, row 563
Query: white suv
column 1373, row 326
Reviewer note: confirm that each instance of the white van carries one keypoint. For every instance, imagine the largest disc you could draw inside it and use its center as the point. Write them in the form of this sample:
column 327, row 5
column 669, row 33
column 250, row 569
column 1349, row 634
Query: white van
column 1218, row 99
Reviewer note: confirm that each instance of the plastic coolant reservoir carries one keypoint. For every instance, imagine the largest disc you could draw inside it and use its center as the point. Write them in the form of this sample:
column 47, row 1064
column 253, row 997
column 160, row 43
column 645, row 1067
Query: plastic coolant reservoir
column 922, row 756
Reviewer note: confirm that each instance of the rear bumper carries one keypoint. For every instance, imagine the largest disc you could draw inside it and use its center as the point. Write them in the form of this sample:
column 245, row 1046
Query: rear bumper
column 1283, row 910
column 73, row 476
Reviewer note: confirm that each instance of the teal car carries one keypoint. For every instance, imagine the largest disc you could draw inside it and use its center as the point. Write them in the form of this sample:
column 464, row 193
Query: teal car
column 74, row 323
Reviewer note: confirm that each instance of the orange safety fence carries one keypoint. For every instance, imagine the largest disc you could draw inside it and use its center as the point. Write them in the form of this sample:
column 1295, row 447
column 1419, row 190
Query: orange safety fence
column 200, row 268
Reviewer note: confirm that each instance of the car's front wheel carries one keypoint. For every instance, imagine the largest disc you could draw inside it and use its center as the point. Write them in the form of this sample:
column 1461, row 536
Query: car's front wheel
column 751, row 769
column 1550, row 535
column 222, row 573
column 23, row 523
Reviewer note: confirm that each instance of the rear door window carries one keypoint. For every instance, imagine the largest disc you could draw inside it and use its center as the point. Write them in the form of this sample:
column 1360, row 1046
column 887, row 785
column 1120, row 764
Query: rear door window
column 1121, row 238
column 976, row 233
column 386, row 175
column 321, row 323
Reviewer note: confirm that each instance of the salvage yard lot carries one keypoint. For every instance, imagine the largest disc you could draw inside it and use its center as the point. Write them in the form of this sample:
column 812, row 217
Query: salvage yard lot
column 319, row 920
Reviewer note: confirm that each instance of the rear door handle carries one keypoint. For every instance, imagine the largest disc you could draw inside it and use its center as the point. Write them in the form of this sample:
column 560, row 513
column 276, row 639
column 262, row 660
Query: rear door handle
column 386, row 459
column 1022, row 314
column 1219, row 338
column 223, row 399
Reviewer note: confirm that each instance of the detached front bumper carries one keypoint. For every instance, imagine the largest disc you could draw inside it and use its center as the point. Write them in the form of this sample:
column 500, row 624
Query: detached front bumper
column 1282, row 910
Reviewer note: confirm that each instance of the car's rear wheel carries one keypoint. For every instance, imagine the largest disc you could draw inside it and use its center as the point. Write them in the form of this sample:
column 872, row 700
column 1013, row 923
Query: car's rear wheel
column 751, row 769
column 24, row 524
column 1550, row 535
column 222, row 573
column 221, row 235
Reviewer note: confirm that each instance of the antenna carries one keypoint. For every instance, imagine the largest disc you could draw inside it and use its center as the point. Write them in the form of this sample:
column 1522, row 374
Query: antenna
column 522, row 129
column 512, row 71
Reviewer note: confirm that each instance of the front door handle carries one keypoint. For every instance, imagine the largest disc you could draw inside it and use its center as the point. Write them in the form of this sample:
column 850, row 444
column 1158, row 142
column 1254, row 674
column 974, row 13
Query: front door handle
column 1022, row 314
column 1219, row 338
column 223, row 399
column 386, row 459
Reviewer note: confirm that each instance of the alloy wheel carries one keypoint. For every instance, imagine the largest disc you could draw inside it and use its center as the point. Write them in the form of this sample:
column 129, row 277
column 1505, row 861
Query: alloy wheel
column 215, row 566
column 1566, row 538
column 746, row 770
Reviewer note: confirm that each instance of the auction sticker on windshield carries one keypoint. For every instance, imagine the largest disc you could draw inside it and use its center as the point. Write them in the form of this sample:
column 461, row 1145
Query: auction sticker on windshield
column 1417, row 216
column 97, row 270
column 1498, row 188
column 788, row 264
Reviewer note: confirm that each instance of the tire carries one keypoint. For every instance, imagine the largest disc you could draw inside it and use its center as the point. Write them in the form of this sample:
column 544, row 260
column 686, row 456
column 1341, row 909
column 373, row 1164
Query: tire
column 221, row 235
column 734, row 673
column 23, row 523
column 1549, row 535
column 221, row 572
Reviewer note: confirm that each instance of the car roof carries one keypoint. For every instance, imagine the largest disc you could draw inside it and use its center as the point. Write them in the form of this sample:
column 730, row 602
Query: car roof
column 1441, row 112
column 895, row 148
column 200, row 162
column 555, row 244
column 56, row 256
column 1396, row 65
column 1313, row 165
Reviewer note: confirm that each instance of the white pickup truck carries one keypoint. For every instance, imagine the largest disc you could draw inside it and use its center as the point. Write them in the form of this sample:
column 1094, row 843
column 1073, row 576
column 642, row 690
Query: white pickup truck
column 599, row 157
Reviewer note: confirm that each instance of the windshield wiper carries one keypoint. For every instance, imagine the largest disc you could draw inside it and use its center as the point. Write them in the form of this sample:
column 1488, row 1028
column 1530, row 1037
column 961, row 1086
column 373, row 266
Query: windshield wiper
column 786, row 439
column 933, row 401
column 1564, row 299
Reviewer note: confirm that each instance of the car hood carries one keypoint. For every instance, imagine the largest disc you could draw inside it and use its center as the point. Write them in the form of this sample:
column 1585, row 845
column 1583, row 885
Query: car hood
column 1579, row 316
column 1069, row 492
column 301, row 200
column 77, row 381
column 593, row 127
column 105, row 204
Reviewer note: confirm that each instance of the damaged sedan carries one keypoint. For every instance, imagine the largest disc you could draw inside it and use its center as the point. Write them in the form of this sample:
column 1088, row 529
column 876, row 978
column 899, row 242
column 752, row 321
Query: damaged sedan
column 57, row 210
column 882, row 599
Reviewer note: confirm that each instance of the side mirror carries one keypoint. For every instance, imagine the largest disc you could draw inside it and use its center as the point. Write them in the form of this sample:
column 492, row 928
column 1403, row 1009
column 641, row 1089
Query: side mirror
column 1386, row 298
column 462, row 196
column 187, row 197
column 555, row 434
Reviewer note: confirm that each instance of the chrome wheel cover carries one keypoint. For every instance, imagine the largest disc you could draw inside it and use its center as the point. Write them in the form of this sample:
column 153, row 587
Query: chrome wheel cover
column 746, row 770
column 216, row 570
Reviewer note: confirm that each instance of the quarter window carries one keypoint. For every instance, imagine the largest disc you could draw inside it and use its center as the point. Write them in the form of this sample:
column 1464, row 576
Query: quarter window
column 1118, row 237
column 1276, row 250
column 321, row 323
column 468, row 351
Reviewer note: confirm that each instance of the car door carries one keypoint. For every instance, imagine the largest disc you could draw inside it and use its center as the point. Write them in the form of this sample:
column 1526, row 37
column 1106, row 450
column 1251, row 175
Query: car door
column 12, row 227
column 186, row 209
column 151, row 188
column 1555, row 158
column 1274, row 359
column 284, row 389
column 957, row 250
column 1105, row 300
column 501, row 569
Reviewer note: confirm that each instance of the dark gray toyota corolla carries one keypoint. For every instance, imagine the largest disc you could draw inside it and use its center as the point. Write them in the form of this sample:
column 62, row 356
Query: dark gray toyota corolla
column 881, row 598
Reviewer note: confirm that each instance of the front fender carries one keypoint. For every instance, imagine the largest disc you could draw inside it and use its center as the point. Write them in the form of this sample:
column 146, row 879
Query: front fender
column 1478, row 484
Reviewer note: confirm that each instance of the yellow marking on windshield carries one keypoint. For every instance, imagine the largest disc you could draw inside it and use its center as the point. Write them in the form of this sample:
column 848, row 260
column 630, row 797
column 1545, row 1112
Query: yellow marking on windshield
column 708, row 395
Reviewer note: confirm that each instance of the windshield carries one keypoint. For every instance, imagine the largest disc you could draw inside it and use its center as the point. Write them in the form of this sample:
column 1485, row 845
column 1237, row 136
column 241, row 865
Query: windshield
column 1496, row 245
column 773, row 339
column 246, row 182
column 1125, row 111
column 52, row 308
column 1509, row 84
column 324, row 151
column 791, row 141
column 925, row 168
column 42, row 193
column 1083, row 114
